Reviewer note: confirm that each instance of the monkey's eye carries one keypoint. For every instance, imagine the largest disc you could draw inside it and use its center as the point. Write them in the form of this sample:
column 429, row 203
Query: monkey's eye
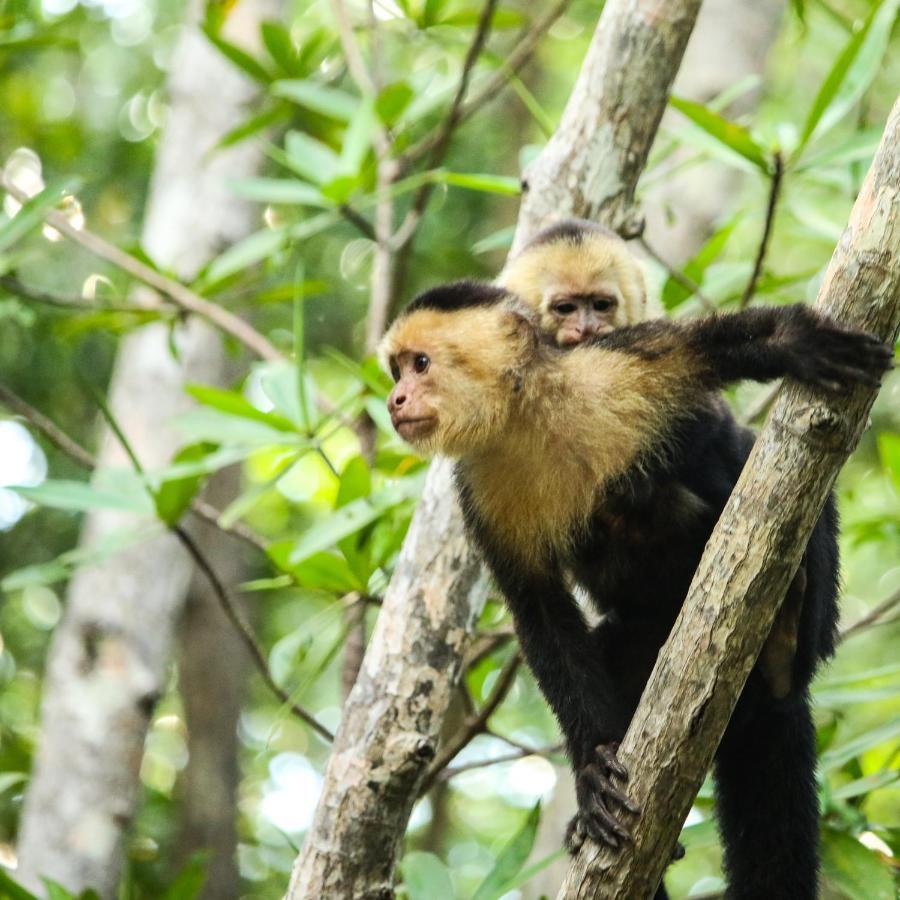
column 395, row 371
column 601, row 304
column 565, row 308
column 421, row 363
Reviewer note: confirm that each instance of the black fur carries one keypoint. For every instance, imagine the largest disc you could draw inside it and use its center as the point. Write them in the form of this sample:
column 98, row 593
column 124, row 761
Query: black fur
column 456, row 296
column 637, row 562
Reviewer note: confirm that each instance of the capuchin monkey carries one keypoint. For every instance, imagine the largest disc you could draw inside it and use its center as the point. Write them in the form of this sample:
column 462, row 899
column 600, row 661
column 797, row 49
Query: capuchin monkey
column 603, row 465
column 581, row 279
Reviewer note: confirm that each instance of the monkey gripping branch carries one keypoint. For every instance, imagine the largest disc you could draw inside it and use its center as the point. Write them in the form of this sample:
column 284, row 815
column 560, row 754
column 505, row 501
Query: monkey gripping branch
column 750, row 558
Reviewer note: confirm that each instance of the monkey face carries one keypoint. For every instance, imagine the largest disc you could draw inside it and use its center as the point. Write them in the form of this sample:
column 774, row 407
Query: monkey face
column 414, row 414
column 453, row 372
column 576, row 318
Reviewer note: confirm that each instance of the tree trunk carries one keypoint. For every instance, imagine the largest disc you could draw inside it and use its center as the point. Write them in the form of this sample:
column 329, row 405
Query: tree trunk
column 751, row 557
column 393, row 716
column 106, row 665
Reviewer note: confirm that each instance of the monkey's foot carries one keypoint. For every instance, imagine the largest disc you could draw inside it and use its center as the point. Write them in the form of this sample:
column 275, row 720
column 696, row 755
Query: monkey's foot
column 596, row 795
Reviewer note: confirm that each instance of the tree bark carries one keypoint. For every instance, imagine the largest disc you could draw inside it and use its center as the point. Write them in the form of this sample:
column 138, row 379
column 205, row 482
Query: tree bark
column 106, row 664
column 393, row 716
column 751, row 557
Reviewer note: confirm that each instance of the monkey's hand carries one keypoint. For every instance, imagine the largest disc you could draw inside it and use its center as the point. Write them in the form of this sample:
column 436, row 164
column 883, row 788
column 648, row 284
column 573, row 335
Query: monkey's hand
column 597, row 796
column 826, row 355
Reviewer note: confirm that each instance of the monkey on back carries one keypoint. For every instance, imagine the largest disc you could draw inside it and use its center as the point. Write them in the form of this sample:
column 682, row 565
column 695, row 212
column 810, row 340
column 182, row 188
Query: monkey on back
column 608, row 464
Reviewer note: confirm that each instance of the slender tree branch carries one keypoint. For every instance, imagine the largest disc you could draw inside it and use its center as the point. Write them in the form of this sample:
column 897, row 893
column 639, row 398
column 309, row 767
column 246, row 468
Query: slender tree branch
column 872, row 617
column 474, row 726
column 678, row 276
column 45, row 426
column 774, row 190
column 68, row 302
column 174, row 291
column 514, row 63
column 207, row 512
column 246, row 634
column 352, row 51
column 523, row 753
column 357, row 219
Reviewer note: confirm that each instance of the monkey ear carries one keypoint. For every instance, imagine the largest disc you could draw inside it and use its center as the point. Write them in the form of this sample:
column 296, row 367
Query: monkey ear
column 525, row 325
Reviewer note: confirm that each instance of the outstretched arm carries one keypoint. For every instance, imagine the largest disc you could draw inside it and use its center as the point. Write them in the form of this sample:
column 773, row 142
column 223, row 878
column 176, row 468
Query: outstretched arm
column 762, row 344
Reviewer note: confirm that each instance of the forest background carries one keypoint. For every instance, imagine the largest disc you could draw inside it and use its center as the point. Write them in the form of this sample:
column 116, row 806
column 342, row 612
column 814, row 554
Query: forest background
column 259, row 155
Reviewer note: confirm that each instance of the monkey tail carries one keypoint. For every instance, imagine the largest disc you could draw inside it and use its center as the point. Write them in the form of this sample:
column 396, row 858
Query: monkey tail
column 766, row 799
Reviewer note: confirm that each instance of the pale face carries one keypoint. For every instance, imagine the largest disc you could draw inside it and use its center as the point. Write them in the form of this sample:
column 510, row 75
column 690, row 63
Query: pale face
column 575, row 317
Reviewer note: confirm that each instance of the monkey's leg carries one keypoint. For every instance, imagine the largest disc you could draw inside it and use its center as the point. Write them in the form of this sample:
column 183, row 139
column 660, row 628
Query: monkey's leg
column 776, row 661
column 766, row 799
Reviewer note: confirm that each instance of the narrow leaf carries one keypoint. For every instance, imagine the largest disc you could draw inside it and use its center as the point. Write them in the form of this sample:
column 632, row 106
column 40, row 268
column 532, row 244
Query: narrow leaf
column 33, row 213
column 243, row 60
column 510, row 859
column 855, row 871
column 732, row 135
column 327, row 101
column 278, row 190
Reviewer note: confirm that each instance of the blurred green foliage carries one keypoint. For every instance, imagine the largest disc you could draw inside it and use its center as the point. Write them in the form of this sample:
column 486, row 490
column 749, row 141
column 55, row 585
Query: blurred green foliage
column 82, row 96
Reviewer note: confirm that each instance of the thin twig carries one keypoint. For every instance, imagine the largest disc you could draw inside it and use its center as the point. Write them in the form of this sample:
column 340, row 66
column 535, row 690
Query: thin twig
column 762, row 405
column 452, row 771
column 485, row 643
column 870, row 618
column 775, row 188
column 176, row 292
column 357, row 219
column 517, row 59
column 233, row 614
column 352, row 52
column 68, row 302
column 678, row 276
column 473, row 726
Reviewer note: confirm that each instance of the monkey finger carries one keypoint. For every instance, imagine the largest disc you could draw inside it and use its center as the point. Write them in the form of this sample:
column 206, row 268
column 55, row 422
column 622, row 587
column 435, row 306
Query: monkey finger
column 599, row 811
column 608, row 790
column 607, row 754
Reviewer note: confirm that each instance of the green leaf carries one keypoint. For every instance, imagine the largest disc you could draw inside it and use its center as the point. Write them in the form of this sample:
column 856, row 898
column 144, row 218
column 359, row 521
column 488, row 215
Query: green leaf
column 311, row 159
column 473, row 181
column 356, row 481
column 190, row 879
column 33, row 213
column 253, row 125
column 55, row 891
column 426, row 877
column 392, row 101
column 11, row 889
column 498, row 240
column 852, row 73
column 510, row 859
column 251, row 250
column 351, row 518
column 278, row 190
column 358, row 139
column 872, row 738
column 174, row 496
column 855, row 871
column 80, row 496
column 866, row 785
column 243, row 60
column 280, row 46
column 431, row 13
column 236, row 404
column 889, row 453
column 327, row 101
column 733, row 136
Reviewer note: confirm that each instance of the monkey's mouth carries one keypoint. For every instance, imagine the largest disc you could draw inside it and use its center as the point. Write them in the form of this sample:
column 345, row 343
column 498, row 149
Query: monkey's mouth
column 415, row 429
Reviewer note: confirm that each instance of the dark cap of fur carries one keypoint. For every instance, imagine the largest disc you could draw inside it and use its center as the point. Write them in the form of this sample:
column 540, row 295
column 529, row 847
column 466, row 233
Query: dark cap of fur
column 572, row 231
column 458, row 295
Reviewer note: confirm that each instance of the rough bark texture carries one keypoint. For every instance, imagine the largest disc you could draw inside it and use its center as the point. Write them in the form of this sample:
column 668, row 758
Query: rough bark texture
column 393, row 716
column 751, row 557
column 592, row 163
column 107, row 660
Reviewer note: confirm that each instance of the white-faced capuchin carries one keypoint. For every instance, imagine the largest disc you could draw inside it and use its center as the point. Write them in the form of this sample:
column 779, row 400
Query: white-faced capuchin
column 603, row 464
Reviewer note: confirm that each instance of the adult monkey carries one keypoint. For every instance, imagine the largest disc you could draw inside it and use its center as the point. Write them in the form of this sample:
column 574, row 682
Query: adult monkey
column 594, row 435
column 583, row 281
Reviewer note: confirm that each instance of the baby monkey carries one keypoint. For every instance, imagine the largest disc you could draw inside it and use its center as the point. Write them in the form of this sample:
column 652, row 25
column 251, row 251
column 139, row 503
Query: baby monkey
column 581, row 279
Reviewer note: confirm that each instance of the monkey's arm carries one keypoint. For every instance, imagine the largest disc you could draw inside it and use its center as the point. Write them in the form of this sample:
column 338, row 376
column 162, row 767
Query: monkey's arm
column 762, row 344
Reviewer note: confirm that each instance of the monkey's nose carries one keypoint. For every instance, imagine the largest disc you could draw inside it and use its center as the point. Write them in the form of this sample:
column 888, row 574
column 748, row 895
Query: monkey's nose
column 395, row 401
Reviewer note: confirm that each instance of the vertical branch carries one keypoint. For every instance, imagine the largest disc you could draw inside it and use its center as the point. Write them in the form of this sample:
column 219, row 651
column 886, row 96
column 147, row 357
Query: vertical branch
column 751, row 557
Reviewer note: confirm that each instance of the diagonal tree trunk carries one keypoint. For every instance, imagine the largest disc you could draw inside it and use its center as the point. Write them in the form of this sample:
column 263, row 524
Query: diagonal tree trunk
column 751, row 557
column 107, row 661
column 393, row 715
